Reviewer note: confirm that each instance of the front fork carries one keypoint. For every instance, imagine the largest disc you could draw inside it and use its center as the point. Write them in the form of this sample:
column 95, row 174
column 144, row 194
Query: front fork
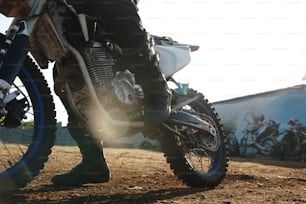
column 14, row 51
column 17, row 45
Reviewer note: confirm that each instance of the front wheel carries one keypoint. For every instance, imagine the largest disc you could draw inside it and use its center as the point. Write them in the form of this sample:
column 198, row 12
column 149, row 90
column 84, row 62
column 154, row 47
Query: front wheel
column 194, row 164
column 24, row 147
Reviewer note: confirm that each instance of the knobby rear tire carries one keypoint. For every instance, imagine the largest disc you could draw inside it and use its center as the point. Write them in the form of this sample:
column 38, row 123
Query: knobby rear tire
column 175, row 153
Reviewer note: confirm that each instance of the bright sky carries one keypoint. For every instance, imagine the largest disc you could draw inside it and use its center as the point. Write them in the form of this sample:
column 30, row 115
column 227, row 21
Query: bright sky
column 246, row 46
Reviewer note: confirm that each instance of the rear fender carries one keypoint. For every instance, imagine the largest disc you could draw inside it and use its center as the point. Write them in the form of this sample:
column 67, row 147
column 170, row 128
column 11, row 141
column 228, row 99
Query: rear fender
column 173, row 56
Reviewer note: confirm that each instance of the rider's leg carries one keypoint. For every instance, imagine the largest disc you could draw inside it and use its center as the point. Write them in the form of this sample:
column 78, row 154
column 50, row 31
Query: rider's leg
column 121, row 22
column 157, row 95
column 93, row 167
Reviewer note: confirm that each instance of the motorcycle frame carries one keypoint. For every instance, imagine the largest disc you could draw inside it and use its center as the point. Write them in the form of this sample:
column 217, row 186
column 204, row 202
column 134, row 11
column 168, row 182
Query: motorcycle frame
column 38, row 7
column 37, row 13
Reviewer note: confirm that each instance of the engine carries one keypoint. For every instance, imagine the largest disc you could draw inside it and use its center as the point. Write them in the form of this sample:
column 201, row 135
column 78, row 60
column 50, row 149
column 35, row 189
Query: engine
column 116, row 90
column 112, row 87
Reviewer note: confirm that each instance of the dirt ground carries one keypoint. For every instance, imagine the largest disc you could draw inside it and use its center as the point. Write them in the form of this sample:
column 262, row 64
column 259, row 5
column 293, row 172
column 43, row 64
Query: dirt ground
column 140, row 176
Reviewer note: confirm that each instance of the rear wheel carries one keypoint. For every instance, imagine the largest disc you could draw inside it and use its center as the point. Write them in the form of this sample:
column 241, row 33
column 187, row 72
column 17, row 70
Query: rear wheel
column 25, row 148
column 185, row 151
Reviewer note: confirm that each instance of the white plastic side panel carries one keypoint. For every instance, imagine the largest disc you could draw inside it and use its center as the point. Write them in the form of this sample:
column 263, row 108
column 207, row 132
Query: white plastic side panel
column 173, row 58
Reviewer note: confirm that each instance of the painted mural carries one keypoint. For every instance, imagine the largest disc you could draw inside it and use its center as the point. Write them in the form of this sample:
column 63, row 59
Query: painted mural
column 271, row 124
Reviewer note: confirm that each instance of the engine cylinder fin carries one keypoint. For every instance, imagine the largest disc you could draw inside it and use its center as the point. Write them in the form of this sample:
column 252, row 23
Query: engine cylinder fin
column 99, row 64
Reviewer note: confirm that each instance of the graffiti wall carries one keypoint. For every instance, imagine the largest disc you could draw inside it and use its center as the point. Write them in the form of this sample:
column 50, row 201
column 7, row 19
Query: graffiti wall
column 269, row 124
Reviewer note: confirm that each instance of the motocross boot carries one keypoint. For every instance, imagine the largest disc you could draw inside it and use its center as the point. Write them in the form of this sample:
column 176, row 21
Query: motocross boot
column 93, row 167
column 157, row 95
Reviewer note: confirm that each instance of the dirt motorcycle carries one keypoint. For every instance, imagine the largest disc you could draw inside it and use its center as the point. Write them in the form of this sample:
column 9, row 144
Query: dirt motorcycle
column 108, row 103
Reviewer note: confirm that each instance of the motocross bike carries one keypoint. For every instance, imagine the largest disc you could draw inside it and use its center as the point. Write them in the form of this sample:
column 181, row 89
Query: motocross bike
column 104, row 99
